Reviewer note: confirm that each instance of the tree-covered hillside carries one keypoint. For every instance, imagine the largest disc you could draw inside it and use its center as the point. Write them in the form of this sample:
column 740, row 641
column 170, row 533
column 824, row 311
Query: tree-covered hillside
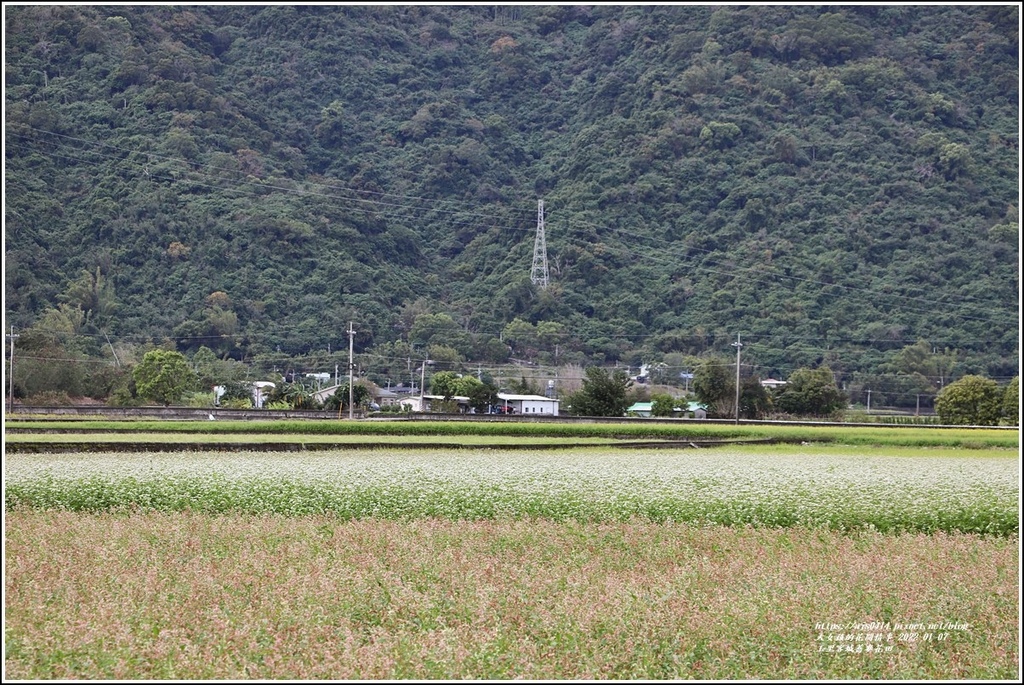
column 836, row 184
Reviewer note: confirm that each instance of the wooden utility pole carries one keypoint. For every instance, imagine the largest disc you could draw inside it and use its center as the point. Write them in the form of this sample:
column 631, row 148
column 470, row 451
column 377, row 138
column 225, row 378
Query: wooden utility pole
column 423, row 372
column 12, row 336
column 738, row 345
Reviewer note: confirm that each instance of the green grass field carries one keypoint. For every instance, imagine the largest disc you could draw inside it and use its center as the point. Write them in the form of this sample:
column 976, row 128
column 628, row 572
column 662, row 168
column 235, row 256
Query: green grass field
column 852, row 435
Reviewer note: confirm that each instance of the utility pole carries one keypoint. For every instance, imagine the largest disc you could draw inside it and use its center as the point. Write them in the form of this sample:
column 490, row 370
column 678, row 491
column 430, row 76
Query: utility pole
column 738, row 345
column 351, row 366
column 12, row 337
column 539, row 270
column 423, row 371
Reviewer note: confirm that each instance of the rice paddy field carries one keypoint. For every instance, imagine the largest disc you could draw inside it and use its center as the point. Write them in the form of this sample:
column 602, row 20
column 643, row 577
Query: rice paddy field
column 880, row 556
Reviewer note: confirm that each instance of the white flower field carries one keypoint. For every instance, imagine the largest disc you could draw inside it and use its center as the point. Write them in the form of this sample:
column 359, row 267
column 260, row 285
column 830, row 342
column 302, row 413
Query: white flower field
column 835, row 487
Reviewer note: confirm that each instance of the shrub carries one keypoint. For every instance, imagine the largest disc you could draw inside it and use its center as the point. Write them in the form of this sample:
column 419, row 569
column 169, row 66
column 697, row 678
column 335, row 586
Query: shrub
column 199, row 399
column 278, row 405
column 51, row 398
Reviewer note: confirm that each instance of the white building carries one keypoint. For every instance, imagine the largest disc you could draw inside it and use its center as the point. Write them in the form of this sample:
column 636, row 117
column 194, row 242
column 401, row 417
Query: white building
column 260, row 390
column 529, row 405
column 417, row 403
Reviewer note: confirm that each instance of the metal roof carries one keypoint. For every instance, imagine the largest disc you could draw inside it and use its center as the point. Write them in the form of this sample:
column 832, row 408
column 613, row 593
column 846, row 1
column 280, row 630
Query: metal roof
column 520, row 398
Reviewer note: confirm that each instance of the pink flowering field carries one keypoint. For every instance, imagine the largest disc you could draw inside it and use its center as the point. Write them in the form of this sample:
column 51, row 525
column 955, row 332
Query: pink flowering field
column 185, row 595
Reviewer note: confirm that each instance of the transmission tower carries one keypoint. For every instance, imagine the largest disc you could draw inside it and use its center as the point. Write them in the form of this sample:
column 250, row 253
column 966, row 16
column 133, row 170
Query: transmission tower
column 539, row 271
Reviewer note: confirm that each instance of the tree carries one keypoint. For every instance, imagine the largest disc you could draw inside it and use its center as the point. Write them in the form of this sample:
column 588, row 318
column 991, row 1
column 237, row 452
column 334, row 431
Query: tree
column 439, row 329
column 204, row 361
column 481, row 395
column 522, row 336
column 755, row 401
column 163, row 376
column 94, row 294
column 237, row 392
column 1011, row 402
column 917, row 359
column 212, row 371
column 662, row 404
column 444, row 355
column 465, row 385
column 550, row 334
column 811, row 392
column 338, row 401
column 714, row 386
column 522, row 386
column 970, row 401
column 603, row 393
column 954, row 160
column 445, row 384
column 299, row 397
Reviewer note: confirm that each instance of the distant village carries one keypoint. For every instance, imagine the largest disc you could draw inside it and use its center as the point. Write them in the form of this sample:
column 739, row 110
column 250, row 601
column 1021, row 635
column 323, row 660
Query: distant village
column 409, row 398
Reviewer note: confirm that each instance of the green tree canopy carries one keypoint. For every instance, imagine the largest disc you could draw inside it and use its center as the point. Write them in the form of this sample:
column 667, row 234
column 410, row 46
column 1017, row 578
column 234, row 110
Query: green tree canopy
column 1011, row 402
column 521, row 335
column 338, row 401
column 481, row 395
column 662, row 404
column 444, row 383
column 811, row 392
column 217, row 230
column 970, row 401
column 163, row 376
column 603, row 393
column 755, row 401
column 714, row 386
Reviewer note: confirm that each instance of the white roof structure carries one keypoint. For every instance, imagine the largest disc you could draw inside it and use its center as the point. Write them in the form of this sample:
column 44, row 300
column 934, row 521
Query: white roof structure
column 524, row 398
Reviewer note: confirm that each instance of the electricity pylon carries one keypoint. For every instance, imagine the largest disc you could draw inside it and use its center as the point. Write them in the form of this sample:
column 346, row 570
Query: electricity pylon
column 539, row 271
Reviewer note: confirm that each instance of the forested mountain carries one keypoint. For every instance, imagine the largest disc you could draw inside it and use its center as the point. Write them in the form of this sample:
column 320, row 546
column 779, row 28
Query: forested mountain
column 837, row 184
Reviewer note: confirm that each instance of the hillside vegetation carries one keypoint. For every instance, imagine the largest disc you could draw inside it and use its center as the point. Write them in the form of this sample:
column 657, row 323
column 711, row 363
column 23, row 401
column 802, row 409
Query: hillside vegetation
column 836, row 184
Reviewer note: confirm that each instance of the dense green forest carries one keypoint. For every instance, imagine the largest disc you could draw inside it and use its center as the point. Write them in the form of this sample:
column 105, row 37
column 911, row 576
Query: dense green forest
column 838, row 185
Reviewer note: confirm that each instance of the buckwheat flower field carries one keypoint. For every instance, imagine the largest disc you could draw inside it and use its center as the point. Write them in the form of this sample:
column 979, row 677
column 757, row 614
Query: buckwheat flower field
column 837, row 488
column 753, row 562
